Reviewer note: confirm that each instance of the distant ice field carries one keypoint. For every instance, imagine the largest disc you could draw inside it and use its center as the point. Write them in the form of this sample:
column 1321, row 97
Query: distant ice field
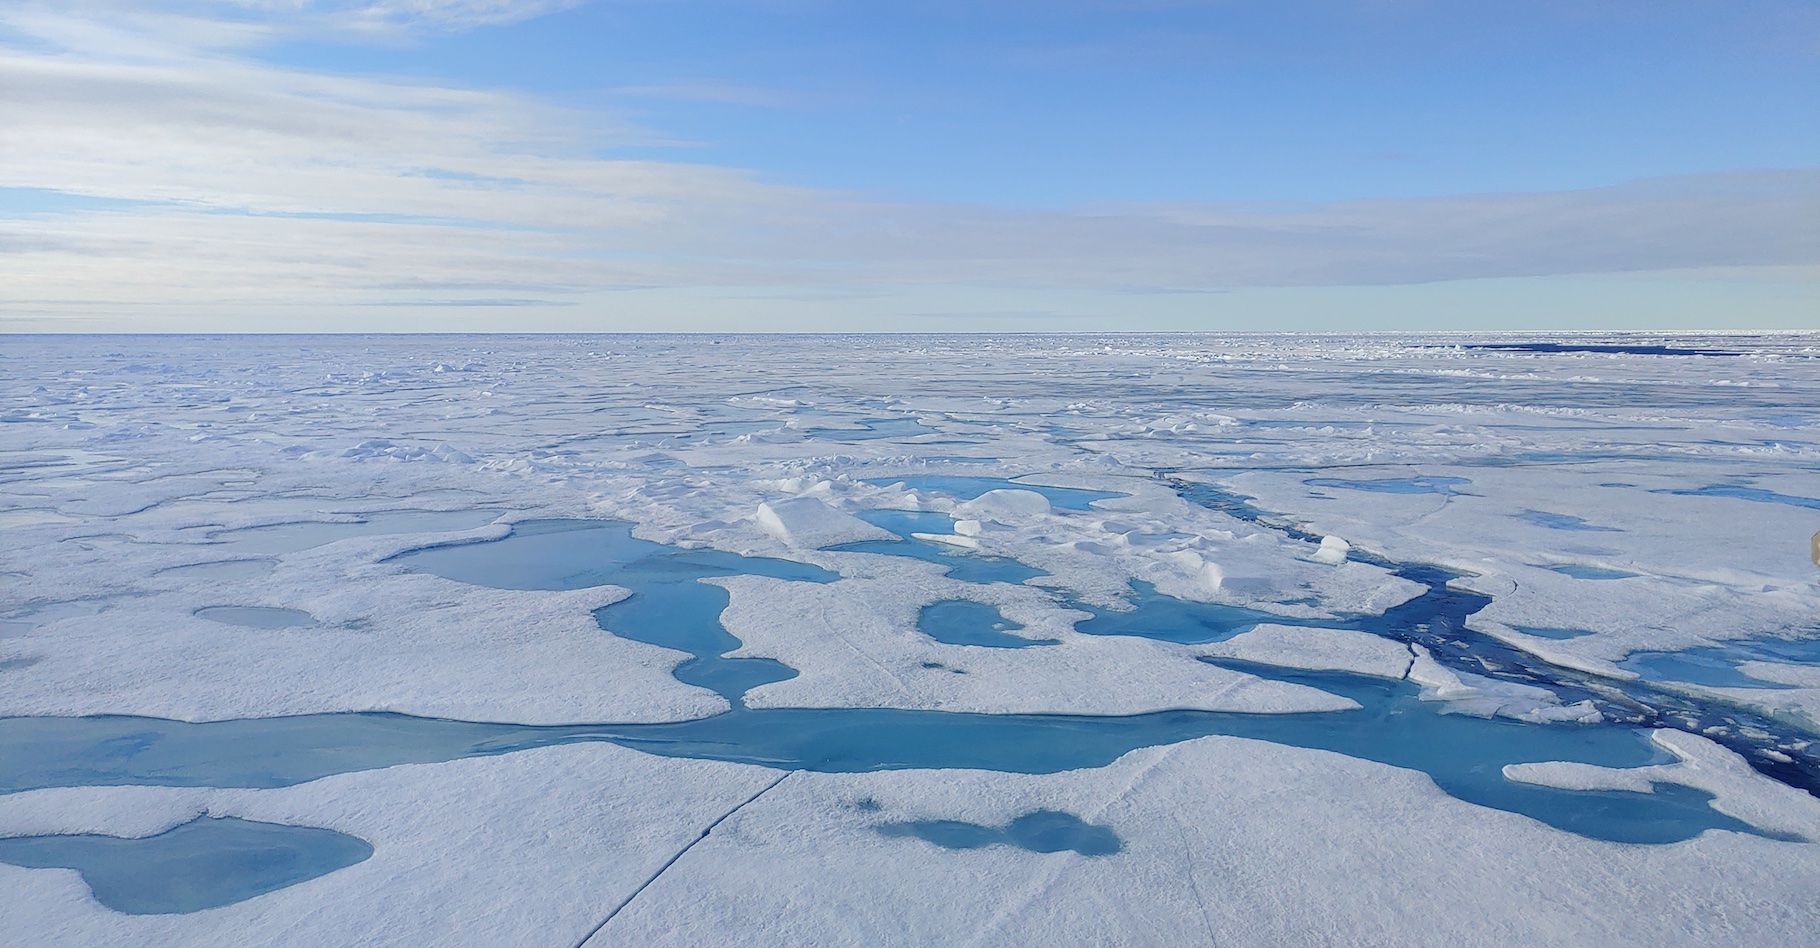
column 429, row 640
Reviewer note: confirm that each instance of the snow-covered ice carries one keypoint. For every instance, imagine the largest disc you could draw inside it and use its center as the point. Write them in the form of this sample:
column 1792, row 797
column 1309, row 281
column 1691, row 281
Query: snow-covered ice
column 1302, row 625
column 1225, row 841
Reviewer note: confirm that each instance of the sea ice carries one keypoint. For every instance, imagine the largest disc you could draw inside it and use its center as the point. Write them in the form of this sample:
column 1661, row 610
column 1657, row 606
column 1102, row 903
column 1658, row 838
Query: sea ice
column 1157, row 519
column 1317, row 649
column 1221, row 840
column 808, row 523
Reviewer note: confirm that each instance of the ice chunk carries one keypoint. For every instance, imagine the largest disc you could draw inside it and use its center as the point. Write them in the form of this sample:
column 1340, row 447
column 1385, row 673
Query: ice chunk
column 1317, row 650
column 1580, row 712
column 1005, row 505
column 1482, row 696
column 807, row 523
column 1436, row 680
column 951, row 539
column 1333, row 550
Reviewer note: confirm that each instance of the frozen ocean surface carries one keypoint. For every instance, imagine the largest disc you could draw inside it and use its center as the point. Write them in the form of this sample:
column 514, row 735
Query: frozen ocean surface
column 1078, row 639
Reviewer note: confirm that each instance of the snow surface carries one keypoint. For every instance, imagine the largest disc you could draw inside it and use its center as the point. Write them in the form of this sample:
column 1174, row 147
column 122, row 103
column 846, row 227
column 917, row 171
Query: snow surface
column 1225, row 841
column 148, row 478
column 1317, row 650
column 806, row 522
column 529, row 849
column 857, row 645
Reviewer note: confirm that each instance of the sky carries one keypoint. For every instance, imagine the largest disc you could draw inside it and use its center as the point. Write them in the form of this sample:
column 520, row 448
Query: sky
column 928, row 166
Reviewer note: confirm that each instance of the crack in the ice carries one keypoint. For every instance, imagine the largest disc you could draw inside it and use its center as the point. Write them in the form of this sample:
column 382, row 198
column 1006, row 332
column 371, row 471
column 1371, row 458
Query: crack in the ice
column 1712, row 716
column 767, row 788
column 1194, row 880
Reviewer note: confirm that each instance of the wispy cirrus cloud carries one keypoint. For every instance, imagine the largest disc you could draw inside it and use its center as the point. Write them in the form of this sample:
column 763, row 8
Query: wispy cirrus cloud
column 374, row 15
column 229, row 23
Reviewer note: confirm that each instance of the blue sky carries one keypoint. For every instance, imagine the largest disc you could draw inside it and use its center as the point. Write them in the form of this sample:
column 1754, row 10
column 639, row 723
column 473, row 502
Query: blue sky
column 1059, row 104
column 648, row 164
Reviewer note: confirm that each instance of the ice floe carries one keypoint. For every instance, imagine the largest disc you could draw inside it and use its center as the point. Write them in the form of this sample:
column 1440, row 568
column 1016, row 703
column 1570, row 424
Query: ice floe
column 1387, row 560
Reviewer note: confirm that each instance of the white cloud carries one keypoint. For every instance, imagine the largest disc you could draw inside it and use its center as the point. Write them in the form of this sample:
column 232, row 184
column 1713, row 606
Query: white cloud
column 359, row 15
column 229, row 23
